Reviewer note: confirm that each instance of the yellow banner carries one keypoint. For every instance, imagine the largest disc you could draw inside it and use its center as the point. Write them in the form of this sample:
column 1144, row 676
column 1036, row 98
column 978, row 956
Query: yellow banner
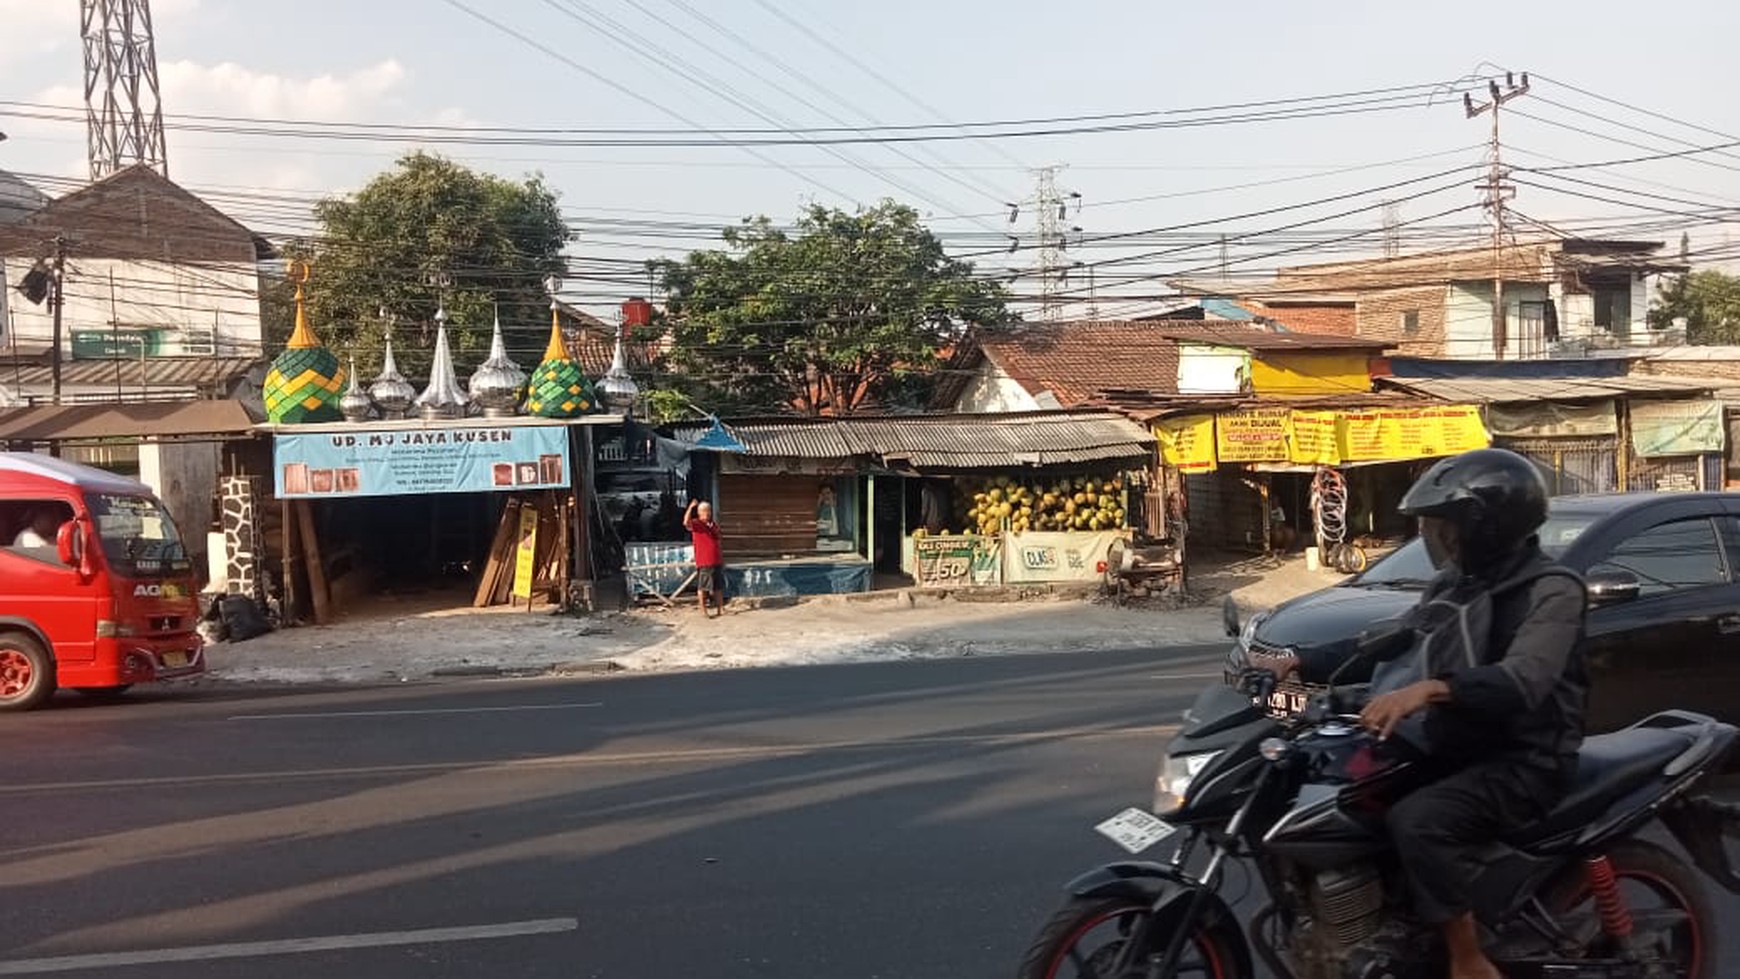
column 526, row 553
column 1255, row 435
column 1314, row 440
column 1187, row 443
column 1381, row 434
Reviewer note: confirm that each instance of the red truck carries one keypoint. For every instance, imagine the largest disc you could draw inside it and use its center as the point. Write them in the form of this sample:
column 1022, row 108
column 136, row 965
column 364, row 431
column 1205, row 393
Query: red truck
column 97, row 592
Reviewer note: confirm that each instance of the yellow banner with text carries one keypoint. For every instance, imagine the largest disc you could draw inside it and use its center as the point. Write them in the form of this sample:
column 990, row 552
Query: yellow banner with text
column 1198, row 443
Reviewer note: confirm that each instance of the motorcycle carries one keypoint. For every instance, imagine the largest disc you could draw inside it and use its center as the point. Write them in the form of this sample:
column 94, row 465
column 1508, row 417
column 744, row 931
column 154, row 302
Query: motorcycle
column 1299, row 803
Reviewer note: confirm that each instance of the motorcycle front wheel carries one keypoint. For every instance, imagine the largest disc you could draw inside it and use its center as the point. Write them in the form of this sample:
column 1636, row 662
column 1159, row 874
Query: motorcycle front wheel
column 1085, row 937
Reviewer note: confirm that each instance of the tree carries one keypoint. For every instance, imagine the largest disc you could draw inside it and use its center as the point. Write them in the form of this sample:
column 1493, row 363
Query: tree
column 1708, row 300
column 843, row 312
column 378, row 248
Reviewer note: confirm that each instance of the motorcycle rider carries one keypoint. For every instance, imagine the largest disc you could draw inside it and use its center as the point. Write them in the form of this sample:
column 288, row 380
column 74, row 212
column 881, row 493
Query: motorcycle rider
column 1505, row 729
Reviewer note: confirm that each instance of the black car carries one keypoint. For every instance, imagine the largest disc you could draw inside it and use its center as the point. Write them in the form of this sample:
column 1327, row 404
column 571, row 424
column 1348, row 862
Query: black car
column 1663, row 571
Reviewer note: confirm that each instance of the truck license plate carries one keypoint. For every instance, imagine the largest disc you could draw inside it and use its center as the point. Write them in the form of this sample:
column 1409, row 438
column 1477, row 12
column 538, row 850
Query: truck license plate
column 174, row 659
column 1135, row 829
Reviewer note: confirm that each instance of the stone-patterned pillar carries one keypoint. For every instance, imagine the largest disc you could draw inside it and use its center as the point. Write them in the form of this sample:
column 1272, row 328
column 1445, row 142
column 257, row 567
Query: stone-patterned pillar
column 240, row 496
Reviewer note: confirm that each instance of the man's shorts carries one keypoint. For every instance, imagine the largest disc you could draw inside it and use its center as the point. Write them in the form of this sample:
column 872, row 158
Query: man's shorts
column 710, row 578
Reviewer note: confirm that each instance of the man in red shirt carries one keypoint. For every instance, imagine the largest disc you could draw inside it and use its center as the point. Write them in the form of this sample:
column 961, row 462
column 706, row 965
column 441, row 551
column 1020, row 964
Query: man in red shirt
column 709, row 567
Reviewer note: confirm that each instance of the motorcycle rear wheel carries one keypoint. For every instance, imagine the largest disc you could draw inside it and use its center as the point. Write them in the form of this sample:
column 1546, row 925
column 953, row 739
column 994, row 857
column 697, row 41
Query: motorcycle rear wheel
column 1647, row 871
column 1084, row 937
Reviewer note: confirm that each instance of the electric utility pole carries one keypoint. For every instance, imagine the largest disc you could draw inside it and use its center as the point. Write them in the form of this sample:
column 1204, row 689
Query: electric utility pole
column 58, row 297
column 1497, row 191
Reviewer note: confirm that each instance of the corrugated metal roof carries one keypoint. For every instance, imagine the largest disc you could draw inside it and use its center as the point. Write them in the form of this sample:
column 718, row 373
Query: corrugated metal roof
column 797, row 439
column 56, row 423
column 1503, row 390
column 151, row 372
column 947, row 441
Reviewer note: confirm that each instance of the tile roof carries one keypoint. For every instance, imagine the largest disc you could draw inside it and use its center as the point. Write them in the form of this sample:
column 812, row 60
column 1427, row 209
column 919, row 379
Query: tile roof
column 944, row 442
column 1073, row 360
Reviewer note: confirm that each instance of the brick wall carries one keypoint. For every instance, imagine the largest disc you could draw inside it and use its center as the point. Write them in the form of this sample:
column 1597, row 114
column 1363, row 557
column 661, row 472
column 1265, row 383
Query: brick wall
column 1381, row 314
column 1725, row 370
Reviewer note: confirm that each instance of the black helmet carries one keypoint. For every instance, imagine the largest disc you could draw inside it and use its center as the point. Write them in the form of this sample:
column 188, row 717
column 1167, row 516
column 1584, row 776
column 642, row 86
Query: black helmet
column 1494, row 498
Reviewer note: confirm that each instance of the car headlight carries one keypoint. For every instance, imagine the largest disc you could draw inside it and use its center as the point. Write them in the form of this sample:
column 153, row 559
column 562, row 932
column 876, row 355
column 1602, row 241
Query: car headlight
column 1249, row 633
column 1172, row 786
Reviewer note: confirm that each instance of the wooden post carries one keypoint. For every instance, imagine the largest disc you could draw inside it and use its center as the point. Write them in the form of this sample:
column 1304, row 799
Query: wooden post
column 316, row 570
column 870, row 521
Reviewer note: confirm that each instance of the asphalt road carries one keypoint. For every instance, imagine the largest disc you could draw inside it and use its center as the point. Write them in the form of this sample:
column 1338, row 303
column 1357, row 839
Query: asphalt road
column 900, row 820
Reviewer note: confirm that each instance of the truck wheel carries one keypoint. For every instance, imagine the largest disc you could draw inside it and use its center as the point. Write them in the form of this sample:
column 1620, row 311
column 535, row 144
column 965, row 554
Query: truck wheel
column 26, row 672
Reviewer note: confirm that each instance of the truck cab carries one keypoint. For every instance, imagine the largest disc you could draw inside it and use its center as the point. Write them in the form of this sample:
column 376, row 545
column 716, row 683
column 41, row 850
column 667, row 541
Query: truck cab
column 97, row 592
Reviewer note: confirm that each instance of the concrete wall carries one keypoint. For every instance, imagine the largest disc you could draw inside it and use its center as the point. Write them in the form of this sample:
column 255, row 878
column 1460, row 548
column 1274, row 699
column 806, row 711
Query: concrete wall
column 1315, row 372
column 200, row 309
column 1212, row 370
column 992, row 391
column 184, row 475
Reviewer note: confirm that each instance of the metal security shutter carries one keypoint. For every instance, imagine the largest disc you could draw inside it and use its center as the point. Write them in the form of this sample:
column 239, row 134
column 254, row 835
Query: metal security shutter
column 1572, row 466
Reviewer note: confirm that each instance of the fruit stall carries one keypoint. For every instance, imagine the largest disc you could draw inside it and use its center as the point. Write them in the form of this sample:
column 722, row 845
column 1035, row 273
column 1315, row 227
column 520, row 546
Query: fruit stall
column 1027, row 529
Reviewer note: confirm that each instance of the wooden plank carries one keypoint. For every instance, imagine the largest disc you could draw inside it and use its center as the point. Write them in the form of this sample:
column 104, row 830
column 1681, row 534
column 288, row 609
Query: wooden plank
column 500, row 557
column 317, row 590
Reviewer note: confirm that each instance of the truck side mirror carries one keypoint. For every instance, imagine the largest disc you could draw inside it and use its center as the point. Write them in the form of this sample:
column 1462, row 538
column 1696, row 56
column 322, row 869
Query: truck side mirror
column 73, row 548
column 1612, row 588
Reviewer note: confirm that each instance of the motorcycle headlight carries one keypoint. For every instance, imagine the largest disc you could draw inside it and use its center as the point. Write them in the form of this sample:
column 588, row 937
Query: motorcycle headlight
column 1172, row 786
column 1249, row 632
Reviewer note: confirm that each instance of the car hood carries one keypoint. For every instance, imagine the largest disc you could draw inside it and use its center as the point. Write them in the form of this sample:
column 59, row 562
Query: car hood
column 1333, row 615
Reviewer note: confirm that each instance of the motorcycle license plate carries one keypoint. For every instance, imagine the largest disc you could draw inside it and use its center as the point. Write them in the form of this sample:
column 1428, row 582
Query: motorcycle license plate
column 1135, row 829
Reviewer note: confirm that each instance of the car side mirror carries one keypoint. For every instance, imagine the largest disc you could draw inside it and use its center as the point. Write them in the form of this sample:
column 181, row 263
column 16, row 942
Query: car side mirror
column 1612, row 588
column 1229, row 617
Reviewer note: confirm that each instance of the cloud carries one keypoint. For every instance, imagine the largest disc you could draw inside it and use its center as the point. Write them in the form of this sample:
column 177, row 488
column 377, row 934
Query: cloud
column 231, row 89
column 35, row 28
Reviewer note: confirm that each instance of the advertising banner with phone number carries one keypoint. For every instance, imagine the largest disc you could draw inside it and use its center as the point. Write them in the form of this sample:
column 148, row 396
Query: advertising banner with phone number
column 419, row 461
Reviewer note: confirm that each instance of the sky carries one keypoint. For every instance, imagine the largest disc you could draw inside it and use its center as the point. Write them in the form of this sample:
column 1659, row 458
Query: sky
column 778, row 64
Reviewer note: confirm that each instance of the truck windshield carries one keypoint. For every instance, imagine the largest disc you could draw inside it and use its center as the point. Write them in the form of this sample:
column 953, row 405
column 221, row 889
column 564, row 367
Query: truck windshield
column 138, row 537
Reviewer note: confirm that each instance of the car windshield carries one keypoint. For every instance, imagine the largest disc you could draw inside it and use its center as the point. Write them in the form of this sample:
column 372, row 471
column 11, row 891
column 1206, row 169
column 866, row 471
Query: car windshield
column 1409, row 566
column 138, row 537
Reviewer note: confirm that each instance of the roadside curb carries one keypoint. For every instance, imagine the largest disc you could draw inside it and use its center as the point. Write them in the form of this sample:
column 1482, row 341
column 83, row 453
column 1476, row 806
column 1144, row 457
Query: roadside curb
column 585, row 666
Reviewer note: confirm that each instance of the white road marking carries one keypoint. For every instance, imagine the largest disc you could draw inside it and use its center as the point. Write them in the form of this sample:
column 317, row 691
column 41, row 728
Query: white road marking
column 289, row 946
column 672, row 756
column 409, row 713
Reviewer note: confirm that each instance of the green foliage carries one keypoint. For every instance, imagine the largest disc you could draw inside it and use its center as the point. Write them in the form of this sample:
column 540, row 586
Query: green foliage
column 495, row 238
column 1708, row 300
column 846, row 312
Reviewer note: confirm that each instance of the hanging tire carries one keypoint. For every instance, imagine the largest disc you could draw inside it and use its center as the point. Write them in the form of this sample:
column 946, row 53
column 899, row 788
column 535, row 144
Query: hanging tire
column 26, row 672
column 1085, row 936
column 1645, row 871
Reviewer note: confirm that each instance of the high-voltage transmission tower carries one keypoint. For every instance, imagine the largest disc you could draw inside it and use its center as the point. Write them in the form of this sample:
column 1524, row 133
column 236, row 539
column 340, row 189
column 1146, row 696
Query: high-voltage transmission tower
column 1051, row 207
column 123, row 111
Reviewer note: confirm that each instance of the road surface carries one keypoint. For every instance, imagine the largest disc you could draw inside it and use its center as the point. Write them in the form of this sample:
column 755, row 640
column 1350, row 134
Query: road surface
column 898, row 820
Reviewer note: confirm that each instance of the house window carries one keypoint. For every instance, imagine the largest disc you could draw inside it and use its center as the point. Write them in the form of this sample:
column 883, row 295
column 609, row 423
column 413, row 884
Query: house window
column 1411, row 322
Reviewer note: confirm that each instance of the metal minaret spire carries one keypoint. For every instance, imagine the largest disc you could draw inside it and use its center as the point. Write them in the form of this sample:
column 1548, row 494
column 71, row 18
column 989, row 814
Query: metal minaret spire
column 123, row 111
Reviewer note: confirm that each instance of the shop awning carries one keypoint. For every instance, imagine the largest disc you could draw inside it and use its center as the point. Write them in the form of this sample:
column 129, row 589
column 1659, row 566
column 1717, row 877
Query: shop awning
column 93, row 422
column 1508, row 390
